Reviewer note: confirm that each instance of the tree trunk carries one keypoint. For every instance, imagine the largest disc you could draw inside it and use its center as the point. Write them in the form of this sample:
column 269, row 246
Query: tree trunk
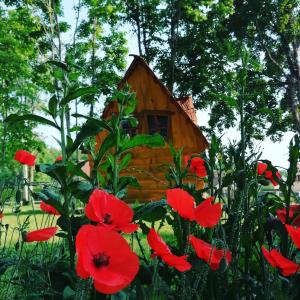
column 25, row 197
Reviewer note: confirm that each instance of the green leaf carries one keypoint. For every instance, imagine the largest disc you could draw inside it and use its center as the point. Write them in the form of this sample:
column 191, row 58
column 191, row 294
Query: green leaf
column 125, row 161
column 53, row 202
column 56, row 171
column 146, row 210
column 90, row 129
column 90, row 90
column 76, row 170
column 107, row 143
column 101, row 123
column 52, row 106
column 29, row 117
column 230, row 101
column 128, row 180
column 68, row 293
column 155, row 140
column 81, row 190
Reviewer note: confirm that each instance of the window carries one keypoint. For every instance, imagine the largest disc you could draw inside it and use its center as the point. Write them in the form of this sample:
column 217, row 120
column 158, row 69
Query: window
column 298, row 178
column 128, row 129
column 158, row 124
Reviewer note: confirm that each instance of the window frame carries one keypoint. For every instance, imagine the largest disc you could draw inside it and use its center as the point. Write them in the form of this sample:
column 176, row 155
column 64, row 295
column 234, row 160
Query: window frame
column 165, row 113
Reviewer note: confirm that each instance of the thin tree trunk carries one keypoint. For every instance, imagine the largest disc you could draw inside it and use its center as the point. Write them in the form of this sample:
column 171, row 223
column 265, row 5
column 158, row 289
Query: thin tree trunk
column 93, row 62
column 25, row 188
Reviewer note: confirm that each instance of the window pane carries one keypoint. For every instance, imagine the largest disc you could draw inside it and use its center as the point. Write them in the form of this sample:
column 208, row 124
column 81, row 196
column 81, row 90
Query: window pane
column 158, row 124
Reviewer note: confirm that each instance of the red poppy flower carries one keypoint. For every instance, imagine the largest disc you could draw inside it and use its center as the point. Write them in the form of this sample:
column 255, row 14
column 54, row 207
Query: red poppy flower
column 182, row 202
column 210, row 254
column 294, row 233
column 25, row 158
column 197, row 165
column 49, row 209
column 276, row 260
column 162, row 250
column 294, row 208
column 107, row 210
column 262, row 169
column 1, row 215
column 208, row 214
column 40, row 235
column 104, row 255
column 205, row 214
column 58, row 158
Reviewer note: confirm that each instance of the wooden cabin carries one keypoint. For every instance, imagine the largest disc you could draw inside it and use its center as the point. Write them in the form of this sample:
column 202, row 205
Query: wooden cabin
column 157, row 111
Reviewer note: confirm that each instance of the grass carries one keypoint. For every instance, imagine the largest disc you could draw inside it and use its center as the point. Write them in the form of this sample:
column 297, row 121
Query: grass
column 28, row 218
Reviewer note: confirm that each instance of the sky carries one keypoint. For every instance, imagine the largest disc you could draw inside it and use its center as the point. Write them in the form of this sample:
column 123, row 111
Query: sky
column 275, row 152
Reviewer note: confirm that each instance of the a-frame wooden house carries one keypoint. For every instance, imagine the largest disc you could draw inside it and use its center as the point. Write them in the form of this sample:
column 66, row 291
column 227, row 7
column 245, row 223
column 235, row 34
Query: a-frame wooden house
column 157, row 111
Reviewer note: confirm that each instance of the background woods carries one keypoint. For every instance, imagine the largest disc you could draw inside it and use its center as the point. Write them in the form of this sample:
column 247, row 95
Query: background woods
column 225, row 222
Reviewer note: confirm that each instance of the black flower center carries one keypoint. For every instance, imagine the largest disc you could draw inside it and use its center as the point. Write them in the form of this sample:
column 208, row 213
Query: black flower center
column 101, row 260
column 106, row 219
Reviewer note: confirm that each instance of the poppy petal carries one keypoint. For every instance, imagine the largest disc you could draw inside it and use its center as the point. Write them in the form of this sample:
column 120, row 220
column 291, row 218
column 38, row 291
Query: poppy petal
column 294, row 233
column 25, row 158
column 208, row 214
column 40, row 235
column 182, row 202
column 209, row 254
column 162, row 250
column 129, row 228
column 180, row 263
column 157, row 244
column 261, row 168
column 268, row 256
column 105, row 255
column 109, row 211
column 275, row 258
column 49, row 209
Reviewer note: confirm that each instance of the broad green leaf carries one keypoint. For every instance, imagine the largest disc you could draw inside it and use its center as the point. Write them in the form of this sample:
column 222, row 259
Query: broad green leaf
column 155, row 140
column 81, row 190
column 101, row 123
column 125, row 161
column 52, row 106
column 90, row 129
column 29, row 117
column 56, row 171
column 146, row 209
column 78, row 93
column 107, row 144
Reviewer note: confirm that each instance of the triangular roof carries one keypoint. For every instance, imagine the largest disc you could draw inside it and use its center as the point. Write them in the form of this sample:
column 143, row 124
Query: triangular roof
column 184, row 104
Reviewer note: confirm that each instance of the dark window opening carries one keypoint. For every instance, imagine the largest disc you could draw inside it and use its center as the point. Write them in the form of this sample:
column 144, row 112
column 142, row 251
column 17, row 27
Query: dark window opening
column 158, row 124
column 128, row 129
column 298, row 177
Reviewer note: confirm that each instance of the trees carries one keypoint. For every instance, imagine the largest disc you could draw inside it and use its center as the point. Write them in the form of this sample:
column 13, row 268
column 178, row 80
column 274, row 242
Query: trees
column 18, row 87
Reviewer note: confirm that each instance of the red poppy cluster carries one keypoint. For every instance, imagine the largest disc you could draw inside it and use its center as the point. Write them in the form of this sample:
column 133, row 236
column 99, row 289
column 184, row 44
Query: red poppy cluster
column 294, row 214
column 205, row 214
column 275, row 258
column 197, row 165
column 262, row 169
column 25, row 158
column 103, row 253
